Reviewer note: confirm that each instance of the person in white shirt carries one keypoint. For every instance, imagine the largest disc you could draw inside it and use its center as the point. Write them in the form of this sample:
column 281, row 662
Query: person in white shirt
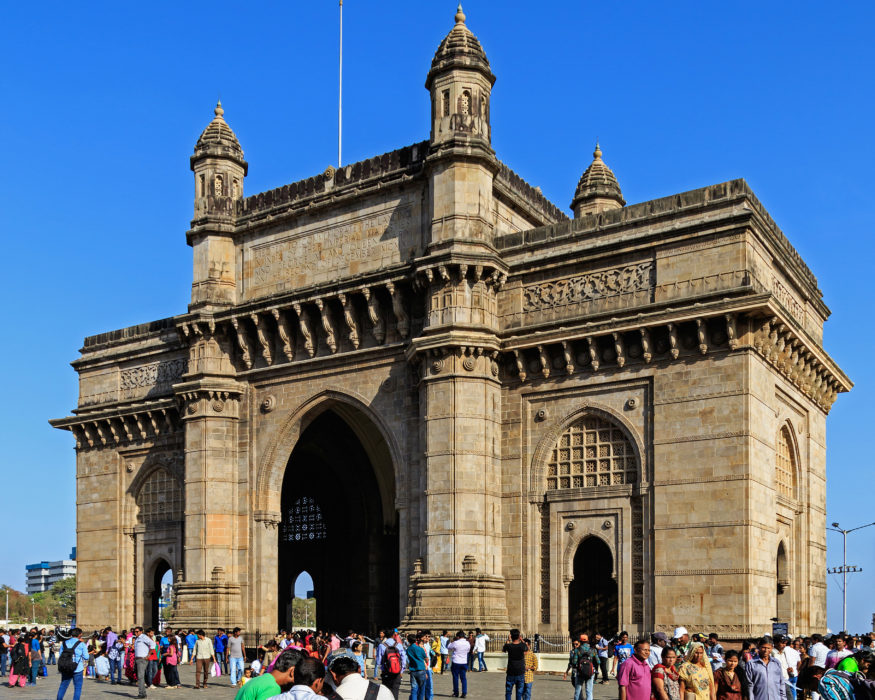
column 309, row 677
column 660, row 642
column 789, row 659
column 480, row 649
column 349, row 683
column 459, row 649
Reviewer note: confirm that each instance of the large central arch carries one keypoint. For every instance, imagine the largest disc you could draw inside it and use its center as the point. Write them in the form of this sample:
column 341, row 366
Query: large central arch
column 338, row 520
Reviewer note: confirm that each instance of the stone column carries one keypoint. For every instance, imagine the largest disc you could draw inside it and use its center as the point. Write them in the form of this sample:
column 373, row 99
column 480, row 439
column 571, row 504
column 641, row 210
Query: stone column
column 210, row 409
column 459, row 582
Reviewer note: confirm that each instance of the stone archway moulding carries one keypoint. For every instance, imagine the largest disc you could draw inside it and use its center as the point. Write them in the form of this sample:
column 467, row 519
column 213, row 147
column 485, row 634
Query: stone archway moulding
column 588, row 526
column 352, row 408
column 541, row 455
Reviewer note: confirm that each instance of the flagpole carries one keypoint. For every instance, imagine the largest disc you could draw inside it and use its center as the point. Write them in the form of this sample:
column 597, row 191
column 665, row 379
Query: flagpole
column 340, row 89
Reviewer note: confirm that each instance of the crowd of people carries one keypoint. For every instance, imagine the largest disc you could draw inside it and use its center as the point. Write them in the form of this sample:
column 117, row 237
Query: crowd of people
column 696, row 667
column 305, row 665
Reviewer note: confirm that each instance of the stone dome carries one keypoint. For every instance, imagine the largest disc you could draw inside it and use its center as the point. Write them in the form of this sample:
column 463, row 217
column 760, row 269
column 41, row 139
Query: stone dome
column 597, row 188
column 219, row 141
column 459, row 49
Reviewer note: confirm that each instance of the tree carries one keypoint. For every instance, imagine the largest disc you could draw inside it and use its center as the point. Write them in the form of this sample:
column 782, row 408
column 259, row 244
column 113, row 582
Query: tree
column 64, row 592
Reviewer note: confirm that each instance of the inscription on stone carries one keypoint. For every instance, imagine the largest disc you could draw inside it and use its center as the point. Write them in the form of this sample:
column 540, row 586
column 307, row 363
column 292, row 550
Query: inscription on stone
column 354, row 246
column 595, row 285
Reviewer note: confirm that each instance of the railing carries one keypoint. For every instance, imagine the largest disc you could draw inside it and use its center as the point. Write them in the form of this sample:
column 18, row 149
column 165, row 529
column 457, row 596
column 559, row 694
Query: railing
column 541, row 643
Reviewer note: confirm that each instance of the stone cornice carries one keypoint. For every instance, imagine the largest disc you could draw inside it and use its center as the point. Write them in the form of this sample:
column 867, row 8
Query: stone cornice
column 117, row 424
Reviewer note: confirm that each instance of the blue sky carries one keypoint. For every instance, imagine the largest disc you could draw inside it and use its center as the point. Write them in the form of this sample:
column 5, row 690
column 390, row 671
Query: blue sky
column 102, row 105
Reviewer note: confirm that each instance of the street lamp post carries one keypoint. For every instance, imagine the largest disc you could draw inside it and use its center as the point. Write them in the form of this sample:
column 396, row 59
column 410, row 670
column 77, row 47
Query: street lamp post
column 844, row 569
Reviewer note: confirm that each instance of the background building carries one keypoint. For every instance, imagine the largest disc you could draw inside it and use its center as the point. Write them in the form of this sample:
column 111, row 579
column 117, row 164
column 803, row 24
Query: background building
column 41, row 577
column 497, row 413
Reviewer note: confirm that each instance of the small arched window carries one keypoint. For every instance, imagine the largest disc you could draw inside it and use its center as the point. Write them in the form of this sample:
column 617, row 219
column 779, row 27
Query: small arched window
column 785, row 465
column 160, row 498
column 465, row 102
column 591, row 452
column 219, row 186
column 445, row 103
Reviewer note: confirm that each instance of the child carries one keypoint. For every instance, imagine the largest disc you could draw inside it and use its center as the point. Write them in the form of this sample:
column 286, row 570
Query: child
column 247, row 676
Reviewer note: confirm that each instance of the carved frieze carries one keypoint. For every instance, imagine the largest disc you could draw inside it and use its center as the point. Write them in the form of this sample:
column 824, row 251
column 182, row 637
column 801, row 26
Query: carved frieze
column 589, row 287
column 160, row 375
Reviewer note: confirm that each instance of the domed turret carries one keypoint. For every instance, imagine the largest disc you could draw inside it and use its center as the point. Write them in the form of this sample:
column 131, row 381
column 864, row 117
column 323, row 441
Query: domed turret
column 219, row 168
column 597, row 190
column 460, row 83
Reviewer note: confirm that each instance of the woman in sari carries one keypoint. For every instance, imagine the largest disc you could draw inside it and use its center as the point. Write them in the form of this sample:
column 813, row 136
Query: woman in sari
column 664, row 677
column 696, row 676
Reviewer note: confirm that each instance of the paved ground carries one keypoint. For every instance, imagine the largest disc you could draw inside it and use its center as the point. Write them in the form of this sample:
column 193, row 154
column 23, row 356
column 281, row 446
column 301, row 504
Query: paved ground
column 480, row 685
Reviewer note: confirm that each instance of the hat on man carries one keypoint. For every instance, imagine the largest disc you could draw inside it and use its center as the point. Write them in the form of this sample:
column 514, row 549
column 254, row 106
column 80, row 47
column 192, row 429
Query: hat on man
column 659, row 637
column 679, row 632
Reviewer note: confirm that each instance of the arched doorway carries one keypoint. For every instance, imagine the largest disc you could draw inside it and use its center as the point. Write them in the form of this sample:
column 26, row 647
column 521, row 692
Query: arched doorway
column 334, row 527
column 592, row 594
column 161, row 596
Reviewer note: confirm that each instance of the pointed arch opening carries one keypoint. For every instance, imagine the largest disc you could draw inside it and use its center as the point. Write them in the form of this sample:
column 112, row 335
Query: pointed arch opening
column 162, row 593
column 784, row 609
column 333, row 525
column 593, row 602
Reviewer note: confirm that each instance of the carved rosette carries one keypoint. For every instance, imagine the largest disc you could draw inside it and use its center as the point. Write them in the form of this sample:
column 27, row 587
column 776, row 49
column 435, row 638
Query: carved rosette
column 207, row 402
column 462, row 360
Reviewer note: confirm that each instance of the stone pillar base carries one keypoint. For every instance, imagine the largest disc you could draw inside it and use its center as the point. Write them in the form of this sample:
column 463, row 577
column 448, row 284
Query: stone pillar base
column 456, row 601
column 207, row 604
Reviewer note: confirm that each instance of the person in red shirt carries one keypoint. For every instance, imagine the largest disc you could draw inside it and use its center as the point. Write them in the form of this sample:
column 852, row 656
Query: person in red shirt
column 634, row 674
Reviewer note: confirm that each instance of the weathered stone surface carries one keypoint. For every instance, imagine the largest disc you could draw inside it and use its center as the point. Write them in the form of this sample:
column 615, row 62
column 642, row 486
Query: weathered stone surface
column 519, row 385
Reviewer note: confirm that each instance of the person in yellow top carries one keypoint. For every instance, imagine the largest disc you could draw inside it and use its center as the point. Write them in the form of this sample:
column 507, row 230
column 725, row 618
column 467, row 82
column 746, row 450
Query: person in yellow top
column 436, row 648
column 531, row 660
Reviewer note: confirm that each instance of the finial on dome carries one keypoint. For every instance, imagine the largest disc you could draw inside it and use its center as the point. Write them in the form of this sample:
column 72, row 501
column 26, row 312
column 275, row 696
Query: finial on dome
column 218, row 110
column 597, row 153
column 460, row 16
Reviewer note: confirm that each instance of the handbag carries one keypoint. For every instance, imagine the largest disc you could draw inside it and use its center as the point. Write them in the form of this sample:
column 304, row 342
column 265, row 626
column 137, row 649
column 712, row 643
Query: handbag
column 215, row 671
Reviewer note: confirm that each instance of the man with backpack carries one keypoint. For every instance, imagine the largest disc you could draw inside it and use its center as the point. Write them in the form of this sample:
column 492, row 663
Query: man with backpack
column 391, row 660
column 581, row 663
column 71, row 663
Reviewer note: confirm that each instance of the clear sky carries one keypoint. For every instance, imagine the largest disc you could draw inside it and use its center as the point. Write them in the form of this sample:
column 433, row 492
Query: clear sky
column 102, row 104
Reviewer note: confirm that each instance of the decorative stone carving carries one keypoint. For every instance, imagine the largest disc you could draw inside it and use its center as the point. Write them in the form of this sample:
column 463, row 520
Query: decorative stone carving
column 156, row 373
column 583, row 288
column 401, row 318
column 242, row 343
column 349, row 318
column 285, row 334
column 268, row 404
column 306, row 331
column 377, row 326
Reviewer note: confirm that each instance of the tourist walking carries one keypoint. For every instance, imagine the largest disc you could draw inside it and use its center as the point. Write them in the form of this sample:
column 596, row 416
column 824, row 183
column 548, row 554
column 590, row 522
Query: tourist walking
column 204, row 658
column 602, row 646
column 789, row 660
column 116, row 653
column 390, row 662
column 696, row 675
column 36, row 656
column 581, row 663
column 634, row 674
column 219, row 643
column 765, row 681
column 459, row 649
column 664, row 675
column 171, row 658
column 71, row 664
column 416, row 664
column 236, row 651
column 444, row 641
column 659, row 642
column 515, row 649
column 144, row 645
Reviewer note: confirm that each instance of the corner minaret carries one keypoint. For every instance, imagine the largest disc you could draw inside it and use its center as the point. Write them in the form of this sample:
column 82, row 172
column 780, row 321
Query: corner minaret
column 219, row 170
column 597, row 190
column 462, row 163
column 460, row 83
